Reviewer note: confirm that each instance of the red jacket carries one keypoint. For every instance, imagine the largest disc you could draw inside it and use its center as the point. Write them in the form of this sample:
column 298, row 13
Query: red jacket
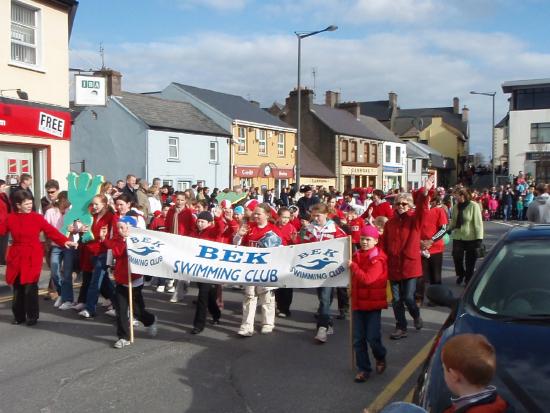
column 211, row 233
column 369, row 278
column 95, row 247
column 355, row 226
column 288, row 234
column 117, row 245
column 401, row 241
column 158, row 223
column 384, row 208
column 231, row 228
column 315, row 233
column 255, row 234
column 435, row 218
column 26, row 254
column 186, row 221
column 494, row 405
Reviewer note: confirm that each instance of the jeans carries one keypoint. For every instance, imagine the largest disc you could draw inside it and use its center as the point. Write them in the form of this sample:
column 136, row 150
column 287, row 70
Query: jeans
column 99, row 276
column 70, row 256
column 367, row 329
column 56, row 259
column 507, row 212
column 325, row 299
column 403, row 295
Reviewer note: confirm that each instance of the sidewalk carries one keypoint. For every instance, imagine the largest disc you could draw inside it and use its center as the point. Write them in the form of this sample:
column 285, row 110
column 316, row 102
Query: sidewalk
column 5, row 289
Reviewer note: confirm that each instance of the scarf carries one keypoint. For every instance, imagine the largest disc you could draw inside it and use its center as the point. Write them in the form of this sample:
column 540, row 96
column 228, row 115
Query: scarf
column 460, row 217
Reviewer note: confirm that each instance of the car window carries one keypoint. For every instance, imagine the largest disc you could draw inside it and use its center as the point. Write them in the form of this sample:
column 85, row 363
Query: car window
column 516, row 283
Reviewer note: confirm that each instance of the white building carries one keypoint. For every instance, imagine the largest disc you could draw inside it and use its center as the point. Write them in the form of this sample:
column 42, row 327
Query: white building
column 529, row 127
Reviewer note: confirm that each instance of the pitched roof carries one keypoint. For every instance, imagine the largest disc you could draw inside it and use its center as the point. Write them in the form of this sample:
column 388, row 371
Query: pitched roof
column 414, row 153
column 503, row 122
column 342, row 122
column 446, row 113
column 407, row 127
column 168, row 114
column 383, row 133
column 312, row 166
column 379, row 109
column 233, row 106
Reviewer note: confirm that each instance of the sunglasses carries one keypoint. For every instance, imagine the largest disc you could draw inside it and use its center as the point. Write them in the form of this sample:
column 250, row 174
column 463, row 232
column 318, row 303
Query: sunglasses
column 403, row 204
column 52, row 192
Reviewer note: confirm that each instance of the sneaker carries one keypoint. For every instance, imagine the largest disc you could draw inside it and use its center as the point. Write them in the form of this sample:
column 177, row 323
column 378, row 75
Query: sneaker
column 171, row 289
column 106, row 303
column 267, row 329
column 111, row 313
column 152, row 330
column 321, row 336
column 174, row 298
column 58, row 302
column 170, row 283
column 79, row 306
column 282, row 315
column 398, row 334
column 330, row 330
column 160, row 289
column 135, row 323
column 418, row 323
column 85, row 314
column 67, row 305
column 244, row 332
column 121, row 343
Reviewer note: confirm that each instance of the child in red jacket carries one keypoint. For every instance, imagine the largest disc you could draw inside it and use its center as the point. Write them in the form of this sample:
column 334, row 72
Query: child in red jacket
column 118, row 245
column 368, row 298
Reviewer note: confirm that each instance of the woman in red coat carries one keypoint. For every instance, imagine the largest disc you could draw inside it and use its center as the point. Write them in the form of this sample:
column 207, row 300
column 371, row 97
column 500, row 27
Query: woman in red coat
column 24, row 261
column 401, row 243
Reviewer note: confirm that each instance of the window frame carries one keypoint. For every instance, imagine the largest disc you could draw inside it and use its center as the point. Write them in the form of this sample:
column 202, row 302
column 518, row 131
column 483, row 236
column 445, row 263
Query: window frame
column 387, row 155
column 281, row 146
column 36, row 31
column 397, row 154
column 536, row 127
column 353, row 151
column 345, row 150
column 261, row 137
column 242, row 140
column 374, row 153
column 216, row 158
column 414, row 165
column 177, row 146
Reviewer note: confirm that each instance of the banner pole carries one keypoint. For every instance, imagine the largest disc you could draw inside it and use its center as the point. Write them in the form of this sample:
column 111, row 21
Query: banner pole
column 130, row 303
column 350, row 243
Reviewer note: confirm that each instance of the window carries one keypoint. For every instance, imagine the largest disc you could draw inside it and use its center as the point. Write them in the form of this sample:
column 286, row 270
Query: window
column 24, row 33
column 388, row 154
column 261, row 136
column 213, row 151
column 537, row 98
column 183, row 185
column 344, row 151
column 168, row 182
column 173, row 149
column 540, row 132
column 353, row 151
column 246, row 183
column 413, row 165
column 241, row 141
column 281, row 144
column 397, row 154
column 366, row 152
column 373, row 153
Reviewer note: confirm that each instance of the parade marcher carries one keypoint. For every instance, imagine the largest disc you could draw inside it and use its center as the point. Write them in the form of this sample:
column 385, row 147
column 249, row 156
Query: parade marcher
column 209, row 228
column 289, row 236
column 401, row 243
column 52, row 190
column 24, row 261
column 369, row 277
column 378, row 207
column 467, row 234
column 321, row 228
column 158, row 223
column 117, row 244
column 5, row 209
column 250, row 235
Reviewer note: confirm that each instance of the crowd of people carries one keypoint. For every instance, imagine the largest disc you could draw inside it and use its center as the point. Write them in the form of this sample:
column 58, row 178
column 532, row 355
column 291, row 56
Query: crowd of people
column 398, row 242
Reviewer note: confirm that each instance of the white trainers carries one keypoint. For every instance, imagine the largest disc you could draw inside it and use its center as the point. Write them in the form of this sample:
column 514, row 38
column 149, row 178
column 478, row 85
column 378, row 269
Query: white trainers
column 58, row 302
column 67, row 305
column 330, row 330
column 244, row 332
column 85, row 314
column 160, row 289
column 111, row 313
column 79, row 306
column 321, row 336
column 152, row 330
column 267, row 329
column 135, row 323
column 121, row 343
column 171, row 289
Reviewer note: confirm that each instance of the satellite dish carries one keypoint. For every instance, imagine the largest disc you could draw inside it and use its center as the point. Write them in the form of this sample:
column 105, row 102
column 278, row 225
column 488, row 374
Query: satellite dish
column 418, row 123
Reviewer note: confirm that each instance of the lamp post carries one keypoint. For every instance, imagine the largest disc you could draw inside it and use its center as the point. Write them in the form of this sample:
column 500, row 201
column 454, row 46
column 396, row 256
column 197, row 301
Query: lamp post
column 300, row 36
column 21, row 93
column 492, row 94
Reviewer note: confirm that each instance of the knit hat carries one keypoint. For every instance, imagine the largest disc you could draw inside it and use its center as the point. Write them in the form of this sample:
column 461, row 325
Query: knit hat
column 225, row 203
column 239, row 210
column 251, row 205
column 369, row 231
column 205, row 215
column 128, row 220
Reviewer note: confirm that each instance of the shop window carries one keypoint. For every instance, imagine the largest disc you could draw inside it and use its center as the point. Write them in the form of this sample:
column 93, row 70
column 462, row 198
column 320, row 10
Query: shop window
column 24, row 34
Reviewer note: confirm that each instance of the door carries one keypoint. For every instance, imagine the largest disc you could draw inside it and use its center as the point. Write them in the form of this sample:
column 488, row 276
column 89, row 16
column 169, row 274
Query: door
column 15, row 160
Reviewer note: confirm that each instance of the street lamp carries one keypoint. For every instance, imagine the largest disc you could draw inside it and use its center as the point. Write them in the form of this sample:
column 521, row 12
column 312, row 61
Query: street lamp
column 492, row 94
column 22, row 94
column 300, row 36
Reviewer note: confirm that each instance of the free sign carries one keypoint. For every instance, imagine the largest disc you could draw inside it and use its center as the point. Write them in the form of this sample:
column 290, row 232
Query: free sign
column 51, row 124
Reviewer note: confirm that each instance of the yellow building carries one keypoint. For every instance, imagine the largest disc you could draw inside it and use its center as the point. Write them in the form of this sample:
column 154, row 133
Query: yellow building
column 35, row 123
column 262, row 146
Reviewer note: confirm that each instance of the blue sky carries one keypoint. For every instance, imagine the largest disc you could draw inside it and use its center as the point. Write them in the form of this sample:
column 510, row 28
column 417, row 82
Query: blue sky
column 427, row 51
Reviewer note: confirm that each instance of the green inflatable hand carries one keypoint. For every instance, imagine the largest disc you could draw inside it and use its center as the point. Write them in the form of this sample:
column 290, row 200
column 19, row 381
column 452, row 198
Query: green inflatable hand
column 82, row 190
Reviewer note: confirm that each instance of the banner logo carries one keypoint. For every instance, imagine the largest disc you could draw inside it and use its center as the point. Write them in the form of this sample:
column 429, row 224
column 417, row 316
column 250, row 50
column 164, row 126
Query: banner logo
column 147, row 251
column 318, row 264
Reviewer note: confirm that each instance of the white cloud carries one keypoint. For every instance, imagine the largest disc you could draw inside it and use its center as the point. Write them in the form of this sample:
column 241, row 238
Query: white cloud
column 424, row 68
column 222, row 5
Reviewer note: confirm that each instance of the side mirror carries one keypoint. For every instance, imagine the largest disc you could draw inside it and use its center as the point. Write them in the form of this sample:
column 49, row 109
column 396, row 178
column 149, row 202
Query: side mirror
column 441, row 295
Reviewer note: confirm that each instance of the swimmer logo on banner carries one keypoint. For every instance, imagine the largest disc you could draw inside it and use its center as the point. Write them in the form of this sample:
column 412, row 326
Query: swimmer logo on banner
column 159, row 254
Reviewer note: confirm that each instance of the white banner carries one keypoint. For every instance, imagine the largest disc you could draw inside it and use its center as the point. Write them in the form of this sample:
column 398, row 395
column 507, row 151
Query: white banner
column 318, row 264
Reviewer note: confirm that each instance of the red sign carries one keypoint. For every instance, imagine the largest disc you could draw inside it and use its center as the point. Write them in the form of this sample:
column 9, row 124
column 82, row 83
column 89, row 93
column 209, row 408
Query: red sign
column 247, row 171
column 283, row 173
column 12, row 166
column 25, row 166
column 35, row 121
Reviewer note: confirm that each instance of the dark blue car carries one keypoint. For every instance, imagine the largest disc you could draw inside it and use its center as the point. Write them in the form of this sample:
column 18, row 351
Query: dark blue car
column 508, row 301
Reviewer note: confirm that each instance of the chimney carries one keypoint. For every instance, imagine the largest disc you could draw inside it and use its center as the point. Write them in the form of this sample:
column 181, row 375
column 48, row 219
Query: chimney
column 465, row 114
column 332, row 99
column 352, row 107
column 113, row 81
column 456, row 106
column 291, row 111
column 392, row 97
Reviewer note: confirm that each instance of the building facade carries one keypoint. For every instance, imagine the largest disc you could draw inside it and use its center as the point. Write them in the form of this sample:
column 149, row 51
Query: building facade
column 35, row 122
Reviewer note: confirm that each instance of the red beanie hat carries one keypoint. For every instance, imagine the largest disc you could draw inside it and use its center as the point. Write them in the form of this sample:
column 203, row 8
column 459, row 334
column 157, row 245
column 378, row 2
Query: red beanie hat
column 369, row 231
column 251, row 205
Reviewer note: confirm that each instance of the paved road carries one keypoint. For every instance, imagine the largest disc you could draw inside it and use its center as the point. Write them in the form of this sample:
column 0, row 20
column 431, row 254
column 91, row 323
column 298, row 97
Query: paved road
column 65, row 364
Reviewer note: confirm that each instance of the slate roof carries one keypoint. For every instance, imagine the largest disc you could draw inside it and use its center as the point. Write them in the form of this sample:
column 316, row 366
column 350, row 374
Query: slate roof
column 383, row 133
column 503, row 122
column 233, row 106
column 446, row 113
column 414, row 153
column 379, row 109
column 342, row 122
column 406, row 126
column 312, row 166
column 160, row 113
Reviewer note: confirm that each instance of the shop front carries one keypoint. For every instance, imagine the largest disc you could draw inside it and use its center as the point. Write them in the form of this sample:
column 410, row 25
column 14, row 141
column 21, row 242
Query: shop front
column 32, row 137
column 392, row 178
column 264, row 176
column 358, row 177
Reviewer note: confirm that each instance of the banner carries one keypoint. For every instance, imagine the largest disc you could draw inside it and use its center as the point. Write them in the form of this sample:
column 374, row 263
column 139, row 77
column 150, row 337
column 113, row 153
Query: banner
column 318, row 264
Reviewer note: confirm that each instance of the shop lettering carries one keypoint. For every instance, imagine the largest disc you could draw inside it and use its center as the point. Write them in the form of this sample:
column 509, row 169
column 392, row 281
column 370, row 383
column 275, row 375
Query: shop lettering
column 247, row 172
column 211, row 253
column 90, row 84
column 2, row 122
column 51, row 124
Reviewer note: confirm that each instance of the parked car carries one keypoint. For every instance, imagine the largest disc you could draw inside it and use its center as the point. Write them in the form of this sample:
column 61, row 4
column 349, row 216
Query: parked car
column 508, row 301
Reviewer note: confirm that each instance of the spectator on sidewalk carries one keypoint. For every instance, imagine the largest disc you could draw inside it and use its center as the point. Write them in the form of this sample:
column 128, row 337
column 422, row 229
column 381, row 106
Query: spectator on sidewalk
column 539, row 209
